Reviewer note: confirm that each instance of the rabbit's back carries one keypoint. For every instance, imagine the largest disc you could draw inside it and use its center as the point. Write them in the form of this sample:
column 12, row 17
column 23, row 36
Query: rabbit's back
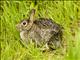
column 43, row 23
column 47, row 24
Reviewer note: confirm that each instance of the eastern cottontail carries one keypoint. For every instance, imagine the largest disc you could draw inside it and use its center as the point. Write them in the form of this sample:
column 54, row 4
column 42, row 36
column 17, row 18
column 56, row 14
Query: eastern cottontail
column 42, row 31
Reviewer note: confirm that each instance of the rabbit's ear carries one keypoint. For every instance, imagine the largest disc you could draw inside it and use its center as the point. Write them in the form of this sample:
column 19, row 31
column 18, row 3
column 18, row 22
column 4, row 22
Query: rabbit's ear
column 32, row 15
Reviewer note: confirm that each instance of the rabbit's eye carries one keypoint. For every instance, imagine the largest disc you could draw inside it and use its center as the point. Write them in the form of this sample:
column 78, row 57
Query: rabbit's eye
column 24, row 23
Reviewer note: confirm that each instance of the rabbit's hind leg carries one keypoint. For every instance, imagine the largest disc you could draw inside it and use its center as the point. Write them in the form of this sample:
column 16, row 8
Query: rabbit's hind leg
column 54, row 42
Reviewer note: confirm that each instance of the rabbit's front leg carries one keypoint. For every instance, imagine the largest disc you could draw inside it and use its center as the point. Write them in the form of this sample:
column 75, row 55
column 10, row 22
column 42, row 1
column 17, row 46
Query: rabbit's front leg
column 24, row 36
column 35, row 36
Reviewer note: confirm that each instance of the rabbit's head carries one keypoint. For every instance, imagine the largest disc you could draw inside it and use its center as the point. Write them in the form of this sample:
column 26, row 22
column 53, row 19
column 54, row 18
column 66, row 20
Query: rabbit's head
column 26, row 24
column 22, row 25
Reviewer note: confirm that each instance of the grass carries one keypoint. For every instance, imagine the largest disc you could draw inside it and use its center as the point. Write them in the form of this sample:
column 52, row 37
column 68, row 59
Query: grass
column 66, row 13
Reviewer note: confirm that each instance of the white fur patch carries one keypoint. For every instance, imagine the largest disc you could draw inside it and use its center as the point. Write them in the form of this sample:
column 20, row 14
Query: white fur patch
column 22, row 35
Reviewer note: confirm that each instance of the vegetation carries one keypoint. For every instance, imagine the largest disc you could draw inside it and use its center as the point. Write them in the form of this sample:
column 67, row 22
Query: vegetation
column 65, row 13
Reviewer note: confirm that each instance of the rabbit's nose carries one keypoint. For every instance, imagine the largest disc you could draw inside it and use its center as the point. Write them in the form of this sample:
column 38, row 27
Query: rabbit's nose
column 17, row 26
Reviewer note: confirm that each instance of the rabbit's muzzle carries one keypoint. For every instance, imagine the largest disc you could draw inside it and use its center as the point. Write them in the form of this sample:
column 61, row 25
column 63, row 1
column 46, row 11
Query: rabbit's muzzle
column 18, row 26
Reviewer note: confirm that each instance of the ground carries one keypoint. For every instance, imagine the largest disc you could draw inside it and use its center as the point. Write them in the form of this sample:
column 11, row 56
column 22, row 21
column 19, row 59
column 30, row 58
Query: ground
column 65, row 13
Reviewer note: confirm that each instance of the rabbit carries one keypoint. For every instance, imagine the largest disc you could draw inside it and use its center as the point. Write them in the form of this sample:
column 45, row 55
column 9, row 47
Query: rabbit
column 42, row 31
